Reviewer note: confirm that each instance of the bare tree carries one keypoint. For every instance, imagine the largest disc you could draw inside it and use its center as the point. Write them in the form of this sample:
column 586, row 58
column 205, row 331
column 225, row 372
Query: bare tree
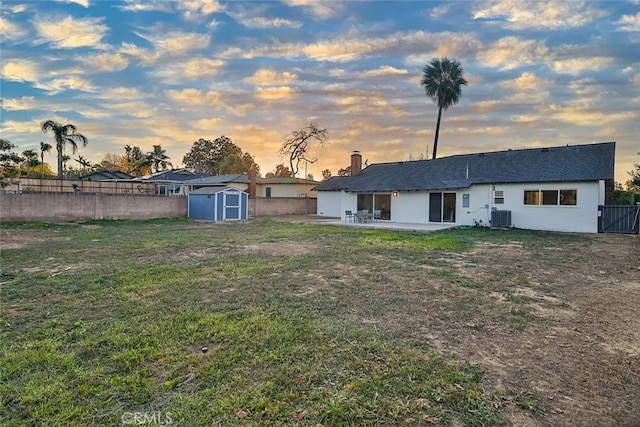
column 299, row 142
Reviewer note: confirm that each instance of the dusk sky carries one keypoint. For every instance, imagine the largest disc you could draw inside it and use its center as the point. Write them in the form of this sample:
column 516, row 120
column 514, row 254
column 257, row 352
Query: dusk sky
column 542, row 73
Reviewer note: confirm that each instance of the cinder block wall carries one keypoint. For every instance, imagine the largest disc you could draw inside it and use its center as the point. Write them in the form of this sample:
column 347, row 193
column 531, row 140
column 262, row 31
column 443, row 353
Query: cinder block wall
column 263, row 206
column 83, row 207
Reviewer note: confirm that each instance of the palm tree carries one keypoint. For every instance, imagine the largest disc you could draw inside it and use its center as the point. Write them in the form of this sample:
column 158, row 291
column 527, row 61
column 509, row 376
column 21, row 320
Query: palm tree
column 64, row 134
column 44, row 148
column 31, row 160
column 84, row 163
column 443, row 80
column 158, row 157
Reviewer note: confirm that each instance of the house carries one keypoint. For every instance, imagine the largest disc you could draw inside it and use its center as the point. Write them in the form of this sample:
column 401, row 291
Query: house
column 218, row 204
column 265, row 187
column 555, row 188
column 286, row 187
column 169, row 182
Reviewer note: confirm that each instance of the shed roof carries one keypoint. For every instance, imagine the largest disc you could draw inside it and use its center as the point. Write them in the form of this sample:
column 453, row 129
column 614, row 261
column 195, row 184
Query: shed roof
column 214, row 190
column 571, row 163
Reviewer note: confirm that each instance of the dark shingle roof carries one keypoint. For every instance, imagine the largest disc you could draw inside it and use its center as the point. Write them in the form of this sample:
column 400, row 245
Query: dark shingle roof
column 173, row 175
column 105, row 175
column 573, row 163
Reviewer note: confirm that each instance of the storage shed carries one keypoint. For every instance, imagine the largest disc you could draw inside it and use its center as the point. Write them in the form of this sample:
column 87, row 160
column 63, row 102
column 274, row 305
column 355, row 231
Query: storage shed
column 218, row 204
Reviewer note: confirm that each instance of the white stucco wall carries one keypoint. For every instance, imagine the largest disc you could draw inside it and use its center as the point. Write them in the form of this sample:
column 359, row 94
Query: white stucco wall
column 413, row 207
column 583, row 217
column 330, row 203
column 410, row 207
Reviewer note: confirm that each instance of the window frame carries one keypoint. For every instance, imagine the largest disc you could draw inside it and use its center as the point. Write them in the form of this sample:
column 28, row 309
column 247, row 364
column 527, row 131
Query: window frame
column 543, row 197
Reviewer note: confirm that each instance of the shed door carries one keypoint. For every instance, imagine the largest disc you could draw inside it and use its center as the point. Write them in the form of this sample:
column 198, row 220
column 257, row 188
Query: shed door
column 231, row 206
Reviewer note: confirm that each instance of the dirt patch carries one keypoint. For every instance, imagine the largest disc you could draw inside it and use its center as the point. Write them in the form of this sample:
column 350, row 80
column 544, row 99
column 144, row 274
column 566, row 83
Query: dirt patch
column 581, row 356
column 281, row 248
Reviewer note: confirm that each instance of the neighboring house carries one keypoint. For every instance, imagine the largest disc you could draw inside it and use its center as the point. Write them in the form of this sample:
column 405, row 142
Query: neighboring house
column 556, row 188
column 105, row 175
column 238, row 181
column 265, row 187
column 286, row 187
column 170, row 182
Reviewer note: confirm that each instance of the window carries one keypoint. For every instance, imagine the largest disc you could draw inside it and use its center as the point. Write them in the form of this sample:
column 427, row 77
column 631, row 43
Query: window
column 531, row 197
column 551, row 197
column 498, row 197
column 569, row 197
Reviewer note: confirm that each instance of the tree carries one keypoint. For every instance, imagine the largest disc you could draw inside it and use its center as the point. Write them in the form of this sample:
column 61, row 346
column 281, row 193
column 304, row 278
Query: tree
column 112, row 161
column 218, row 157
column 281, row 171
column 31, row 161
column 443, row 80
column 44, row 148
column 634, row 183
column 64, row 134
column 158, row 158
column 84, row 163
column 136, row 161
column 345, row 172
column 326, row 174
column 299, row 143
column 9, row 161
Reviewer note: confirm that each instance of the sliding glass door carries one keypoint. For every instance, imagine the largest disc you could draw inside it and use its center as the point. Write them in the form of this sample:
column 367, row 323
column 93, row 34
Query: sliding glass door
column 442, row 207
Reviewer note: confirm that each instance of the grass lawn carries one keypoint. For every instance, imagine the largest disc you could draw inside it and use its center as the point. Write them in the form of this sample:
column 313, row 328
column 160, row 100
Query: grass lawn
column 303, row 324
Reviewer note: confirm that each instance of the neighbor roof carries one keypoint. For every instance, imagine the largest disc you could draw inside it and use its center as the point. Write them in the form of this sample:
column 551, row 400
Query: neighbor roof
column 220, row 179
column 105, row 175
column 213, row 190
column 285, row 180
column 589, row 162
column 173, row 175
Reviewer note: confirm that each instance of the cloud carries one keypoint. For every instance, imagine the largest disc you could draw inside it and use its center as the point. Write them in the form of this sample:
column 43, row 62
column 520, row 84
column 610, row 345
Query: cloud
column 94, row 114
column 146, row 6
column 265, row 77
column 121, row 93
column 60, row 85
column 208, row 124
column 385, row 70
column 262, row 22
column 19, row 104
column 523, row 14
column 629, row 22
column 71, row 33
column 20, row 71
column 583, row 114
column 194, row 97
column 528, row 88
column 511, row 52
column 319, row 9
column 575, row 66
column 193, row 9
column 11, row 31
column 84, row 3
column 105, row 62
column 636, row 80
column 191, row 69
column 176, row 42
column 275, row 93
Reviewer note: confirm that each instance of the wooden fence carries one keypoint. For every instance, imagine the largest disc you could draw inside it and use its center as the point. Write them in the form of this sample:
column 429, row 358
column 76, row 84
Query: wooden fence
column 37, row 185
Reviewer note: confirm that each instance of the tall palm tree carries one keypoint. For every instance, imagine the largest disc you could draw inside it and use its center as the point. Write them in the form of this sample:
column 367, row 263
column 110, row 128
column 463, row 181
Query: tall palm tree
column 44, row 148
column 158, row 158
column 443, row 80
column 64, row 134
column 31, row 160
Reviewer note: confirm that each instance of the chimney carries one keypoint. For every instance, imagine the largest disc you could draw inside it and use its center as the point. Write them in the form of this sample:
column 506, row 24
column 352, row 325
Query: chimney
column 252, row 183
column 356, row 163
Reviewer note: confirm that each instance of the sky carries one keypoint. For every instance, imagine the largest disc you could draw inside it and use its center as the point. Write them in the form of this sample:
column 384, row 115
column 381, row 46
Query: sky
column 540, row 74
